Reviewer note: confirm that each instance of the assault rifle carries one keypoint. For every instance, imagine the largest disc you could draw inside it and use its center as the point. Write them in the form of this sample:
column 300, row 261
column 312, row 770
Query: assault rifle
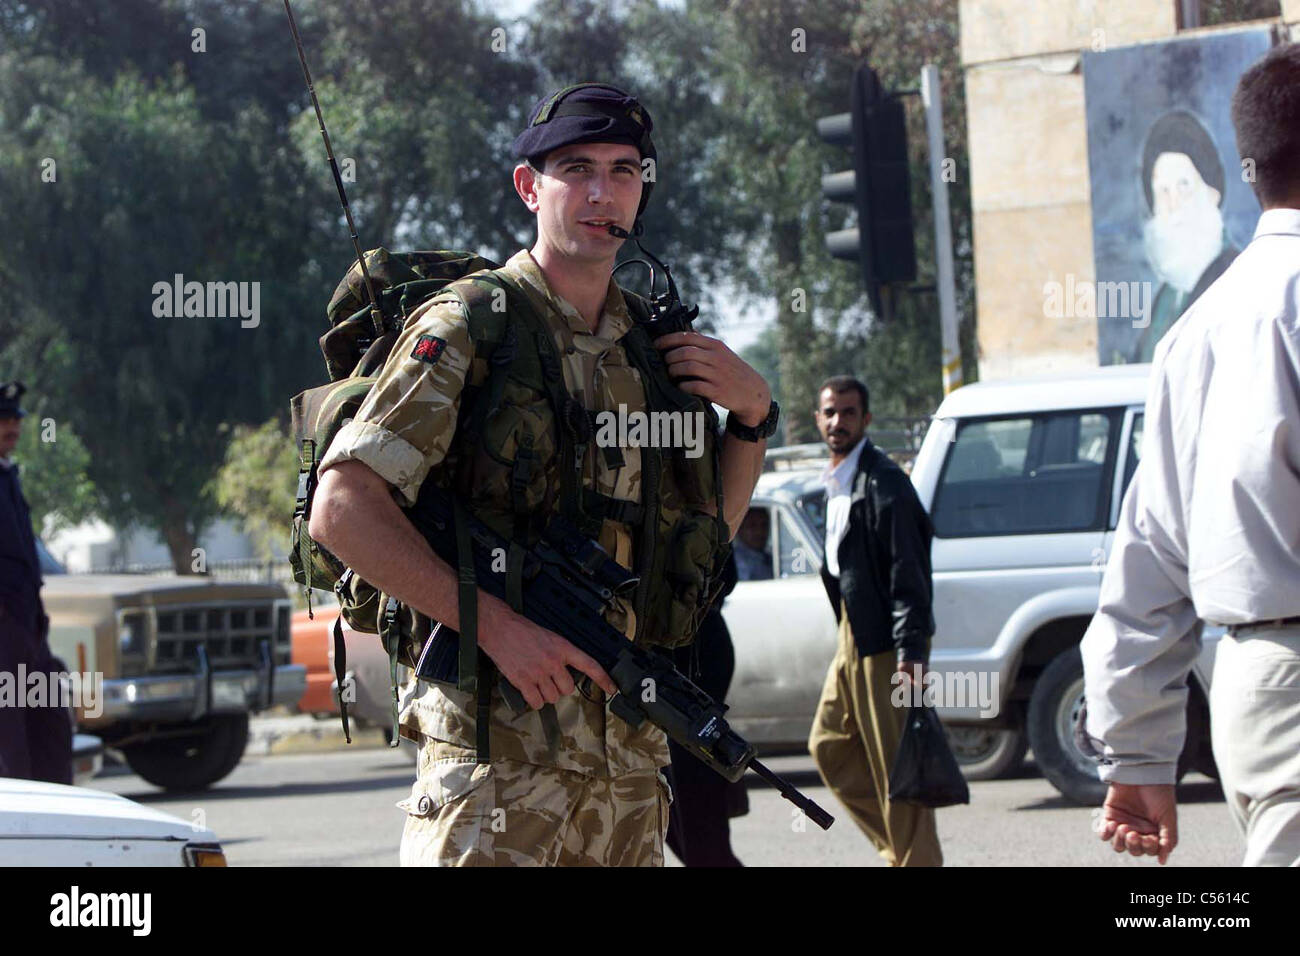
column 568, row 580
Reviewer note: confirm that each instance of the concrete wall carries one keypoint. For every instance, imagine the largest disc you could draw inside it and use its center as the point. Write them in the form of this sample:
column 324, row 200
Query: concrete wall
column 999, row 30
column 1030, row 193
column 94, row 545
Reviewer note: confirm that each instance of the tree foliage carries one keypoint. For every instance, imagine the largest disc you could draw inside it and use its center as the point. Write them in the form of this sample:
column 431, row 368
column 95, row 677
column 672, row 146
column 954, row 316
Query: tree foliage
column 54, row 463
column 207, row 163
column 255, row 483
column 134, row 184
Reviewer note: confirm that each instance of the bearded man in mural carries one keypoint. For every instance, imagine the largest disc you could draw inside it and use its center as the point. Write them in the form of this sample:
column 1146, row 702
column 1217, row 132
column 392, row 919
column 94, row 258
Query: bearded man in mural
column 1182, row 178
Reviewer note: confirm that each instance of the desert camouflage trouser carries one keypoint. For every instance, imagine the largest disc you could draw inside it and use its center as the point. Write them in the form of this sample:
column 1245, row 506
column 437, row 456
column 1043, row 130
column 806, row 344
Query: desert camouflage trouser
column 508, row 813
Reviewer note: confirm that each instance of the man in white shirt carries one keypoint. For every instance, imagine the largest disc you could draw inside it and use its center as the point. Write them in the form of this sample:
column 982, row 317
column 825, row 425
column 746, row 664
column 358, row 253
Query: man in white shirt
column 877, row 576
column 1210, row 529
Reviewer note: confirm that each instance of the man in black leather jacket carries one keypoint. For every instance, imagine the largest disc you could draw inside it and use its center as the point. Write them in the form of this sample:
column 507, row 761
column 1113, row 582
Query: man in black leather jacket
column 876, row 568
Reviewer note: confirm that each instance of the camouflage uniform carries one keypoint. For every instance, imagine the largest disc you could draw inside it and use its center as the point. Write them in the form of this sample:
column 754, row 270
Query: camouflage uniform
column 600, row 799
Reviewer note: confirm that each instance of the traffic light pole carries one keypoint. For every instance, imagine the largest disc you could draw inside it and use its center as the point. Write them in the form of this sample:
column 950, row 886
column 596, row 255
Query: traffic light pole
column 952, row 377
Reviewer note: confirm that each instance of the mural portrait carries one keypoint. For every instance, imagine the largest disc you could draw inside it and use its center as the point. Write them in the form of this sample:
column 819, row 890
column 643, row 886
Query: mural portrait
column 1171, row 204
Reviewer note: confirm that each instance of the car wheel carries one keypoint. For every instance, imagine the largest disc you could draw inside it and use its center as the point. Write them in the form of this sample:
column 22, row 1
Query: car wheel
column 195, row 761
column 1053, row 710
column 1054, row 706
column 985, row 753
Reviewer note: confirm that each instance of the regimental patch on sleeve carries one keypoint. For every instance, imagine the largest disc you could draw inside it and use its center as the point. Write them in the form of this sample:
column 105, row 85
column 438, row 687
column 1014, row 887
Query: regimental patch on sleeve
column 429, row 349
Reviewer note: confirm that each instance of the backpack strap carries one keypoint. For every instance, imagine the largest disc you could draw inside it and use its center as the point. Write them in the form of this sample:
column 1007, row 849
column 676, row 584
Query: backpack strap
column 391, row 612
column 307, row 475
column 512, row 342
column 661, row 394
column 340, row 674
column 341, row 652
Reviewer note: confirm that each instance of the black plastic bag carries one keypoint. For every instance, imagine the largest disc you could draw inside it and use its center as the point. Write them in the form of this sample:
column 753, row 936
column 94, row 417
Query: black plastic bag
column 925, row 772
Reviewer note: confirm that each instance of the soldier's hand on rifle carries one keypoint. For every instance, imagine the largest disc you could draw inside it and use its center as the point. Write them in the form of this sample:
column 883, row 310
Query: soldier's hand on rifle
column 533, row 659
column 721, row 375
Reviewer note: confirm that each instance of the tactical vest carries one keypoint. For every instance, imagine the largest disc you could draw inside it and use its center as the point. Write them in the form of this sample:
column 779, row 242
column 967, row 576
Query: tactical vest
column 520, row 443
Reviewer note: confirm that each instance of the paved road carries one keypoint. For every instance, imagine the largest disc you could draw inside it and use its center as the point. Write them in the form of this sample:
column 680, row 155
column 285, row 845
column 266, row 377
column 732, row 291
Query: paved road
column 337, row 809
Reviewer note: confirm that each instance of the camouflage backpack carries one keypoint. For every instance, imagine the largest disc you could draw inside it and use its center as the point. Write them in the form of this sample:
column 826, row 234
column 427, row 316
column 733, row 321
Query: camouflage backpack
column 354, row 354
column 683, row 541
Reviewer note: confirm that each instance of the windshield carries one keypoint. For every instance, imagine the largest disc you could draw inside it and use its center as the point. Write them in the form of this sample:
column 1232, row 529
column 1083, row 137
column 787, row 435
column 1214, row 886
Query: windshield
column 813, row 505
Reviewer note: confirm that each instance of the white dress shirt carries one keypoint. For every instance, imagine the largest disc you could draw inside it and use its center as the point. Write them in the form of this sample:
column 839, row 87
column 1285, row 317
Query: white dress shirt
column 839, row 487
column 1213, row 535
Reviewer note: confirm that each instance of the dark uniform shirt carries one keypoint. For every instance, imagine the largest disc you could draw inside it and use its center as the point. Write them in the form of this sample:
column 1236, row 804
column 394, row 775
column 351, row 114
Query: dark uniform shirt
column 20, row 569
column 35, row 741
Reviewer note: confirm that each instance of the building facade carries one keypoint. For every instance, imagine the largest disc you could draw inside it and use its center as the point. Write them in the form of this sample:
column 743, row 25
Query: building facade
column 1039, row 231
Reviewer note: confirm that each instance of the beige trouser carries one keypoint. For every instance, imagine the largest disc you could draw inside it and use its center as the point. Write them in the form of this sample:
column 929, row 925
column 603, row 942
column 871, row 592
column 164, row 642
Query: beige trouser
column 1255, row 730
column 508, row 813
column 854, row 738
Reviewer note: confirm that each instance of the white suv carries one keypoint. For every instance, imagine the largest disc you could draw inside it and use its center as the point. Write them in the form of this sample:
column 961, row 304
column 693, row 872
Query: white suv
column 1023, row 481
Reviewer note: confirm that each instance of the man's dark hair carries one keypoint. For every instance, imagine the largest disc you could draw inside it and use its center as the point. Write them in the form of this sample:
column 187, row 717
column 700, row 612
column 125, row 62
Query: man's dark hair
column 843, row 383
column 1266, row 116
column 1181, row 132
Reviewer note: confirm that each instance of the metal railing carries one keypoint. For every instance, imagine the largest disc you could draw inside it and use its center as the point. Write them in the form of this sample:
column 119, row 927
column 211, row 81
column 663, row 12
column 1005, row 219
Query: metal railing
column 236, row 570
column 899, row 438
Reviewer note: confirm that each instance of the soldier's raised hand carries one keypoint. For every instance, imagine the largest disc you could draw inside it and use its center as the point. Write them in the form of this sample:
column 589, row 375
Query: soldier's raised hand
column 720, row 375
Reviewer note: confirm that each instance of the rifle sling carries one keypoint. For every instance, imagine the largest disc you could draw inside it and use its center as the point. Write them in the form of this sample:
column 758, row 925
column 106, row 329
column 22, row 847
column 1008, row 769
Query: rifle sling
column 340, row 672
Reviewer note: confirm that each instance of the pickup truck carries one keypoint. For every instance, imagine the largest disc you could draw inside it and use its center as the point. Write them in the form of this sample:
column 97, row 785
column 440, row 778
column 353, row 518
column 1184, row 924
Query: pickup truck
column 184, row 660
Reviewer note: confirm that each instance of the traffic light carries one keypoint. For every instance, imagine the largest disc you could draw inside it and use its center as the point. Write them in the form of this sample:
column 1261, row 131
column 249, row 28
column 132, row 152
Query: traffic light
column 878, row 185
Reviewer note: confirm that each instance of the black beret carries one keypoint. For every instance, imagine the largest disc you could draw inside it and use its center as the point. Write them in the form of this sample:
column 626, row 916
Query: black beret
column 587, row 113
column 1181, row 132
column 10, row 394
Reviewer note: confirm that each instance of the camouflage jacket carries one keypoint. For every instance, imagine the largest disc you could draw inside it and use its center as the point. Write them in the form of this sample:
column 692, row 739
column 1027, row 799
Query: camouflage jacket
column 406, row 427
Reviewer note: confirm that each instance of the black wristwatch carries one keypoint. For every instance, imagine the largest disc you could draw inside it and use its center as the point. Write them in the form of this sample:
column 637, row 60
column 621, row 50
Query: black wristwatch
column 764, row 429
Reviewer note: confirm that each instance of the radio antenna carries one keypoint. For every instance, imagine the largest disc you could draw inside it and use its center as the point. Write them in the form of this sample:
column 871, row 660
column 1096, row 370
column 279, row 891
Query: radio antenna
column 376, row 316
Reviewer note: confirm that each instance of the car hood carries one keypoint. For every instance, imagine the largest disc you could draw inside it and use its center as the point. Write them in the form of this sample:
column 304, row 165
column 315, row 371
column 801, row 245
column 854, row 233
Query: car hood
column 32, row 808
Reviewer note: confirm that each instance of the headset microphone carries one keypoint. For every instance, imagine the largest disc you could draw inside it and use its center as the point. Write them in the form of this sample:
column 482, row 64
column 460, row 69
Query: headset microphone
column 667, row 312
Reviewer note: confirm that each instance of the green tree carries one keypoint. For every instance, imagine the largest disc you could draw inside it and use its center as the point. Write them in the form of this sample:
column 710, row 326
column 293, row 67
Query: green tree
column 772, row 161
column 422, row 98
column 55, row 475
column 256, row 483
column 209, row 165
column 143, row 187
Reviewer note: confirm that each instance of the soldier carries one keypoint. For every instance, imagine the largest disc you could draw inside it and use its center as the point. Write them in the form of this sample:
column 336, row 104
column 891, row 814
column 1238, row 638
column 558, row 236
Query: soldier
column 592, row 793
column 35, row 742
